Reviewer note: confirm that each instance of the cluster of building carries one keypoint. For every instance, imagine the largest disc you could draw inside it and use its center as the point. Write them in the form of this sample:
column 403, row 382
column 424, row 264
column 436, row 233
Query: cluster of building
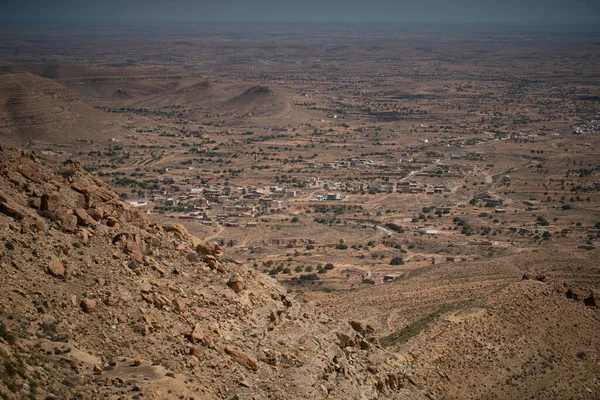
column 224, row 204
column 410, row 186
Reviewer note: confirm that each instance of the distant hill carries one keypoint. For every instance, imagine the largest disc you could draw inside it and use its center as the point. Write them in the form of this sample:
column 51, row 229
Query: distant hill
column 261, row 101
column 40, row 109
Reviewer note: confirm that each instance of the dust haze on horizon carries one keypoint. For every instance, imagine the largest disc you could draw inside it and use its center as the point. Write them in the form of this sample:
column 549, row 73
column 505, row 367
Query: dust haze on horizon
column 533, row 12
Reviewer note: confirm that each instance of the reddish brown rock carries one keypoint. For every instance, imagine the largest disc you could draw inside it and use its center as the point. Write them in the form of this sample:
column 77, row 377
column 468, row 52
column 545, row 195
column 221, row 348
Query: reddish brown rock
column 15, row 178
column 88, row 305
column 83, row 218
column 210, row 249
column 96, row 213
column 242, row 358
column 212, row 263
column 56, row 268
column 31, row 171
column 160, row 300
column 11, row 211
column 68, row 221
column 112, row 301
column 179, row 304
column 35, row 202
column 178, row 229
column 198, row 336
column 236, row 283
column 50, row 202
column 93, row 187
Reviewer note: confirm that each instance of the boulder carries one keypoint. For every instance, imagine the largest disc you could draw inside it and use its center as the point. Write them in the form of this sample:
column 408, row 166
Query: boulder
column 96, row 213
column 50, row 202
column 236, row 283
column 56, row 268
column 68, row 221
column 85, row 236
column 31, row 171
column 90, row 186
column 83, row 218
column 194, row 241
column 178, row 229
column 210, row 249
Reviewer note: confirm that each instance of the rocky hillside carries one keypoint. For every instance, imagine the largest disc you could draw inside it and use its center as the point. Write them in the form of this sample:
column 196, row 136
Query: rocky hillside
column 517, row 327
column 99, row 302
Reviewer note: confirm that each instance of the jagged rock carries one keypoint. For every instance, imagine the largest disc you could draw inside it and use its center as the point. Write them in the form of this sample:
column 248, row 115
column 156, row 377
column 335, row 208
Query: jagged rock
column 363, row 344
column 242, row 358
column 345, row 340
column 236, row 283
column 38, row 225
column 214, row 328
column 88, row 305
column 83, row 218
column 364, row 330
column 197, row 335
column 56, row 268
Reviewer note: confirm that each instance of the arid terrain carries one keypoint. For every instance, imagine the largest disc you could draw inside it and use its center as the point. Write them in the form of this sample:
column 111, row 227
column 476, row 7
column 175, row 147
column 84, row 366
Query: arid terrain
column 229, row 197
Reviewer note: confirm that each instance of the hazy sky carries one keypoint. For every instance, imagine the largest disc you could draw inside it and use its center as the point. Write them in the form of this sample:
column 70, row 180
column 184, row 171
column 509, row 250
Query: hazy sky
column 435, row 11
